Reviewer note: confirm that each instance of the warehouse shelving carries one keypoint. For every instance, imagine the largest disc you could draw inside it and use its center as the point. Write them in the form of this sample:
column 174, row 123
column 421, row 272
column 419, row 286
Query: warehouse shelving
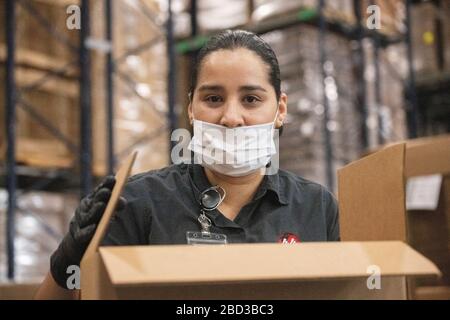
column 47, row 69
column 352, row 31
column 308, row 16
column 71, row 79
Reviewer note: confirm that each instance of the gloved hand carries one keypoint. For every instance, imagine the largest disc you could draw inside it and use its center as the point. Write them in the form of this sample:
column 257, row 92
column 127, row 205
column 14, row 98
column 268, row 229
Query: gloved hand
column 81, row 230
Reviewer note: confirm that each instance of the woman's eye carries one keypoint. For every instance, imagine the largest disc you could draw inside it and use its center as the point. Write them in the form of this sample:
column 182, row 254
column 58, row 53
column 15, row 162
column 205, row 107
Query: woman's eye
column 213, row 99
column 251, row 99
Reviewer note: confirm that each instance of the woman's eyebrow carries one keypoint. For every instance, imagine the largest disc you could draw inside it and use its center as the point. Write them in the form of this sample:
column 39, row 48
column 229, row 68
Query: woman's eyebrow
column 252, row 88
column 207, row 87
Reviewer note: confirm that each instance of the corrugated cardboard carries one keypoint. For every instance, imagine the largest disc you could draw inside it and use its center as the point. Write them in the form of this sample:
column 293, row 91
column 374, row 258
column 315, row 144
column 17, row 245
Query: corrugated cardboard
column 245, row 271
column 429, row 231
column 372, row 200
column 18, row 291
column 369, row 189
column 262, row 271
column 428, row 156
column 93, row 275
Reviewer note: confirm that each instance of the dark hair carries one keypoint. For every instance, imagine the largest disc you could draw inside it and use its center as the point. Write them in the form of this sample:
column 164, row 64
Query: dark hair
column 234, row 39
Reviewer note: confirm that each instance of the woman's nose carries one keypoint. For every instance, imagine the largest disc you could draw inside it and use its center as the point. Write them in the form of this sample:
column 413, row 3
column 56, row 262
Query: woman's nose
column 232, row 116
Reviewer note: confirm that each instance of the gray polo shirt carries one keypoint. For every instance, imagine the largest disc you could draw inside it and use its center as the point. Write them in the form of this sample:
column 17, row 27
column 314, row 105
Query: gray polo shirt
column 163, row 205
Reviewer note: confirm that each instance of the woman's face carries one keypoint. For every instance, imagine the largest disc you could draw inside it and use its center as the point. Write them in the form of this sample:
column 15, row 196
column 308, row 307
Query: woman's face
column 233, row 90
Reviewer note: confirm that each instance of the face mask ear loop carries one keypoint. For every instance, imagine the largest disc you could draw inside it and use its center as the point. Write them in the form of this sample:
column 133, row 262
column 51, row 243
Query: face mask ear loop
column 276, row 116
column 222, row 195
column 192, row 106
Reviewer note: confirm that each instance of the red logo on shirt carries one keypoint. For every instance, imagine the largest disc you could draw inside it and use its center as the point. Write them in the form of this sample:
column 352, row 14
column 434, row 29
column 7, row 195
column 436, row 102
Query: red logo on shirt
column 288, row 238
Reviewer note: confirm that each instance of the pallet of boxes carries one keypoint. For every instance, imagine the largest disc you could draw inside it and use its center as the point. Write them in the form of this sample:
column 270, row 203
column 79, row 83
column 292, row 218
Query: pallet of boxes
column 47, row 79
column 48, row 112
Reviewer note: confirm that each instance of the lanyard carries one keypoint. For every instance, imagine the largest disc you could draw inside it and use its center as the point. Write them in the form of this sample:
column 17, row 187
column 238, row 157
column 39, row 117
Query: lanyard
column 210, row 199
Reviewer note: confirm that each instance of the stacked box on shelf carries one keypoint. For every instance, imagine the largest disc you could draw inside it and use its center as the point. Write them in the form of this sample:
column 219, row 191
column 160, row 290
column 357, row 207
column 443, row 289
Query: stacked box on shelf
column 336, row 10
column 391, row 14
column 302, row 144
column 263, row 9
column 298, row 52
column 390, row 112
column 214, row 15
column 211, row 15
column 446, row 13
column 424, row 17
column 181, row 18
column 135, row 120
column 423, row 37
column 56, row 100
column 140, row 90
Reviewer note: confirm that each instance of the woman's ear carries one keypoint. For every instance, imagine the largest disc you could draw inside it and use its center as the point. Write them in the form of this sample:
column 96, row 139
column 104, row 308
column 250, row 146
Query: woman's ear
column 282, row 110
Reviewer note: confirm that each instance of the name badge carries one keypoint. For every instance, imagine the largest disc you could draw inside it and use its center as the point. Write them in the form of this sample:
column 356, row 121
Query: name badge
column 202, row 237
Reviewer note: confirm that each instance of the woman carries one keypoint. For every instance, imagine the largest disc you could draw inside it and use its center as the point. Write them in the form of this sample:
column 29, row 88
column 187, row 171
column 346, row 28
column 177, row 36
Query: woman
column 235, row 89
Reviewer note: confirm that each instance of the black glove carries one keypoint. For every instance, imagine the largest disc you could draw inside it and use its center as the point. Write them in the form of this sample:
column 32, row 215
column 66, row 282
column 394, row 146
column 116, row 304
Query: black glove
column 81, row 230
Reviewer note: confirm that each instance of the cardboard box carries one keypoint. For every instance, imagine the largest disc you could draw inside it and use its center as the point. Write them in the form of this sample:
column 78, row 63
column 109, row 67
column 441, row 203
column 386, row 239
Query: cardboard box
column 139, row 100
column 18, row 291
column 246, row 271
column 372, row 195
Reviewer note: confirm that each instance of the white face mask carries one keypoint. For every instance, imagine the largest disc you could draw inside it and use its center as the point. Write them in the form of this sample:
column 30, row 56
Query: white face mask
column 233, row 151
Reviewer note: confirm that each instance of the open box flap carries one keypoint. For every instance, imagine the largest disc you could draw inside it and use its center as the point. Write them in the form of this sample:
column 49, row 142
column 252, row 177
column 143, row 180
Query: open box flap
column 182, row 264
column 121, row 178
column 94, row 282
column 427, row 156
column 372, row 198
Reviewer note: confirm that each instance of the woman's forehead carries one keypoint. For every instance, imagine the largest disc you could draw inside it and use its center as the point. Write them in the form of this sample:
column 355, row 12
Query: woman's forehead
column 238, row 65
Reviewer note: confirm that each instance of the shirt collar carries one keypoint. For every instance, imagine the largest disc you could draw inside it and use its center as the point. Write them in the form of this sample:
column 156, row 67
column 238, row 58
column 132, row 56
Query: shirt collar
column 199, row 179
column 270, row 183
